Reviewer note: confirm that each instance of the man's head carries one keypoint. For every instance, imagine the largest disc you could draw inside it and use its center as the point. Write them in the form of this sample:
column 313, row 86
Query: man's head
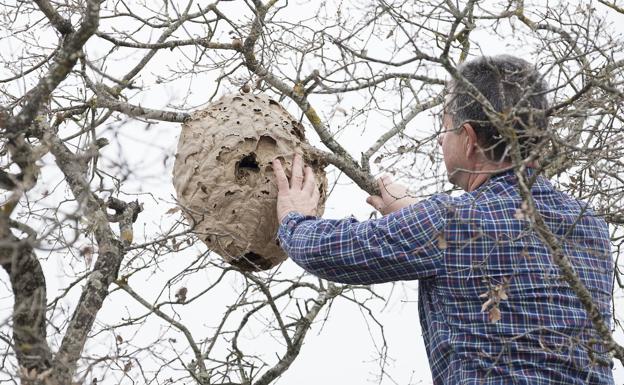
column 473, row 135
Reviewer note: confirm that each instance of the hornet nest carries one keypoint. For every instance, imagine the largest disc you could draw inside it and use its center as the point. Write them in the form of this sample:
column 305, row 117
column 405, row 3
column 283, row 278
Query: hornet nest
column 224, row 180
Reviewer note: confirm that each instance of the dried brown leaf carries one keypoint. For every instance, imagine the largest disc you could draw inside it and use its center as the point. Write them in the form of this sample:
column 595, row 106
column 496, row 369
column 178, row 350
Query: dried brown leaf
column 127, row 235
column 494, row 314
column 181, row 294
column 442, row 244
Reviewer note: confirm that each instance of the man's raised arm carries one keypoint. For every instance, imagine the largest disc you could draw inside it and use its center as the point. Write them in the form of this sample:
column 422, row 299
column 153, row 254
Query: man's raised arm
column 400, row 246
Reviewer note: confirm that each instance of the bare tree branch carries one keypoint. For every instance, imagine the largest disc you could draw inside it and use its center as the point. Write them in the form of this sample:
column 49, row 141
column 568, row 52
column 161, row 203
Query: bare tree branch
column 63, row 63
column 61, row 24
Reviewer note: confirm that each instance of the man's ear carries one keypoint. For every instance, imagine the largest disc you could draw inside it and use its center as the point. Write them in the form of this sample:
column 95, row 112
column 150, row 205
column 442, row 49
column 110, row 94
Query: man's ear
column 471, row 144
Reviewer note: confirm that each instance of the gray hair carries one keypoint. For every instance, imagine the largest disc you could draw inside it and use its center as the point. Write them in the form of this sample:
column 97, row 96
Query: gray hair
column 514, row 88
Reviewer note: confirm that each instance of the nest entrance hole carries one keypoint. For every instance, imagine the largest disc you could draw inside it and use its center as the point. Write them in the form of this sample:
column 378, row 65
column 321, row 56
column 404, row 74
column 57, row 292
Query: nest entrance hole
column 244, row 167
column 251, row 261
column 249, row 162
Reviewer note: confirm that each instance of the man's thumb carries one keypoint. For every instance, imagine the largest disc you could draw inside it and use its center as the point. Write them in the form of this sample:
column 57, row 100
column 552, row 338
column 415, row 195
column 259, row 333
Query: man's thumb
column 375, row 201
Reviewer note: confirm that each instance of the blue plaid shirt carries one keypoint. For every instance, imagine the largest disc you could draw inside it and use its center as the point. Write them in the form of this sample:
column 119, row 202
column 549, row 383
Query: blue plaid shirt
column 461, row 249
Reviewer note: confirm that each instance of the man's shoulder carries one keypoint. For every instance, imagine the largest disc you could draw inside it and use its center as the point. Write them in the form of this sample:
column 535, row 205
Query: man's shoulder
column 495, row 194
column 501, row 197
column 501, row 194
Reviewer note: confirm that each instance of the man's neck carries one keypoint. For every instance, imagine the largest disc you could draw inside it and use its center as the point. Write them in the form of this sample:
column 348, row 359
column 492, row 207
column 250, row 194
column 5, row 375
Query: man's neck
column 483, row 172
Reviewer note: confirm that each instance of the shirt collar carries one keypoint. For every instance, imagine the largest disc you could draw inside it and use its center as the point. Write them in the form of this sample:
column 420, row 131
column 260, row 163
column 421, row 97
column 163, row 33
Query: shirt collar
column 509, row 177
column 511, row 172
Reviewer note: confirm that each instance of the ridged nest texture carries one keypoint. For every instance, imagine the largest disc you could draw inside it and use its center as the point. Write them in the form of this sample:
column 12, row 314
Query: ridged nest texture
column 224, row 179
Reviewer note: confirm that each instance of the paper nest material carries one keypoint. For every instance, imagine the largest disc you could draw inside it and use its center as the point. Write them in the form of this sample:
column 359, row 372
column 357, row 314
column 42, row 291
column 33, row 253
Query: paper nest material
column 224, row 180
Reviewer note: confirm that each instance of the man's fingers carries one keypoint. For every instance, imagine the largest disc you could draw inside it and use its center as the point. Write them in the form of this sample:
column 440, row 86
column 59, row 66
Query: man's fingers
column 296, row 181
column 386, row 179
column 308, row 181
column 383, row 183
column 280, row 176
column 316, row 195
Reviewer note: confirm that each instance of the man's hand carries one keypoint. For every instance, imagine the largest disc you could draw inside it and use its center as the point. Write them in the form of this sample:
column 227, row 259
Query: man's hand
column 301, row 195
column 393, row 197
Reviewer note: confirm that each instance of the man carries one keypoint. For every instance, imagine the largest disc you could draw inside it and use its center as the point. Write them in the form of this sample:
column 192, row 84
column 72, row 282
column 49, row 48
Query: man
column 493, row 306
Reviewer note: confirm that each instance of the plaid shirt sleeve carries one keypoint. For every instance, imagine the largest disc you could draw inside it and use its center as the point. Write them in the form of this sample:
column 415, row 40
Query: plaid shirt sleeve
column 400, row 246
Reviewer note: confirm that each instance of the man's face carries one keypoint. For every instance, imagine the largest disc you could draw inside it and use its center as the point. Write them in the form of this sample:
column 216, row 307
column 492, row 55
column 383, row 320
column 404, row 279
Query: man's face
column 452, row 142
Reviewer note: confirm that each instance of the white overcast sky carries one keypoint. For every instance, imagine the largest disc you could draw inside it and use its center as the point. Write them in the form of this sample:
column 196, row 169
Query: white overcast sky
column 339, row 351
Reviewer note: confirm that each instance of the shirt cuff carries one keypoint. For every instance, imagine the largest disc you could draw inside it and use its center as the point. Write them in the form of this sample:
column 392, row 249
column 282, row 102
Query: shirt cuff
column 288, row 225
